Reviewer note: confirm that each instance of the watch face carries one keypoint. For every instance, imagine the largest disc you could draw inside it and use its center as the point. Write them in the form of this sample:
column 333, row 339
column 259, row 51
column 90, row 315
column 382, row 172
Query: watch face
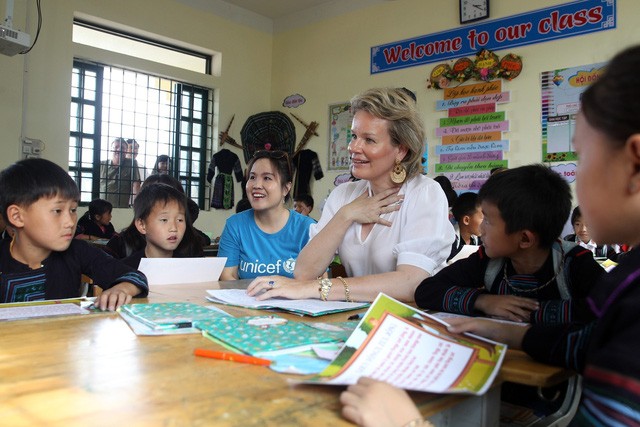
column 473, row 10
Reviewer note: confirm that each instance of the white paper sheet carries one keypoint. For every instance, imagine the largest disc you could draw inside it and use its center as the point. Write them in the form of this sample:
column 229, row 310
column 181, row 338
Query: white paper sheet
column 173, row 271
column 30, row 312
column 464, row 253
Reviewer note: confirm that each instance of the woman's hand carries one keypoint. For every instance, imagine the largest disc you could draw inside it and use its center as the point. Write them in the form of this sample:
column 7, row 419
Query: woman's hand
column 282, row 287
column 368, row 210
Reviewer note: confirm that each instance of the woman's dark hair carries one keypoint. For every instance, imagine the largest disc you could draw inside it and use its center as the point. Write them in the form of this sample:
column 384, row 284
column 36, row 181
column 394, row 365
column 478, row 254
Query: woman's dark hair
column 29, row 180
column 447, row 188
column 612, row 103
column 280, row 162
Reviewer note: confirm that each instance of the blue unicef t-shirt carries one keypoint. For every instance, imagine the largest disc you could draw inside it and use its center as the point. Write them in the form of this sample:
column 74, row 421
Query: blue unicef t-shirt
column 257, row 253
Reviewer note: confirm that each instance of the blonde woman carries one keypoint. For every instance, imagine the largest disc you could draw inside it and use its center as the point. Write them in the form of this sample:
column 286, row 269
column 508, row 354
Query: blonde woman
column 390, row 228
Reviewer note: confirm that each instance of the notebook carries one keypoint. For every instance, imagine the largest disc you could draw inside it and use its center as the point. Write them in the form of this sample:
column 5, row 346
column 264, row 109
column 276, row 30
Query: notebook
column 168, row 315
column 270, row 335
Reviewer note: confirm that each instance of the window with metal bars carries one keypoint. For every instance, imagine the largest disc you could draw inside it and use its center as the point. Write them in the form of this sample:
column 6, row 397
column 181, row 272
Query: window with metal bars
column 124, row 124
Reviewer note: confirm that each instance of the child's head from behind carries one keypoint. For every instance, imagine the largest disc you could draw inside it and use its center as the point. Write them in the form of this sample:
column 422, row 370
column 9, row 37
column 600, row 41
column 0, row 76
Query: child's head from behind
column 161, row 216
column 523, row 207
column 100, row 211
column 39, row 199
column 466, row 210
column 607, row 141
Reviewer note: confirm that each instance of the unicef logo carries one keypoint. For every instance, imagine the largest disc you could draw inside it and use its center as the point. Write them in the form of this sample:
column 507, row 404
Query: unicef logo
column 289, row 265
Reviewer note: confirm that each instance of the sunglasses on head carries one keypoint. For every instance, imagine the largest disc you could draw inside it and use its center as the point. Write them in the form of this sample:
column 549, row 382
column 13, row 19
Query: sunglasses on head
column 276, row 154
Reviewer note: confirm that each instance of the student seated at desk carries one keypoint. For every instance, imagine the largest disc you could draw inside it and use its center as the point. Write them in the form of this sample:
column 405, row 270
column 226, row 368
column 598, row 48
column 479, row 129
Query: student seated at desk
column 130, row 240
column 391, row 228
column 522, row 272
column 581, row 237
column 267, row 238
column 43, row 261
column 96, row 222
column 161, row 217
column 604, row 351
column 303, row 204
column 468, row 215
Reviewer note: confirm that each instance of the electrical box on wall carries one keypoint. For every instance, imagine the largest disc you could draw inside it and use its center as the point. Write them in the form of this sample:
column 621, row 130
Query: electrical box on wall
column 31, row 148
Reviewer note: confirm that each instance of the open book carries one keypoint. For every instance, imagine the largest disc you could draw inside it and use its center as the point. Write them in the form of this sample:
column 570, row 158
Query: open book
column 410, row 349
column 309, row 307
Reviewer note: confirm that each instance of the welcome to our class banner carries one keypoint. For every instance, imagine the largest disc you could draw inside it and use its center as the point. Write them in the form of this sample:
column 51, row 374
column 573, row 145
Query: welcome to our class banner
column 557, row 22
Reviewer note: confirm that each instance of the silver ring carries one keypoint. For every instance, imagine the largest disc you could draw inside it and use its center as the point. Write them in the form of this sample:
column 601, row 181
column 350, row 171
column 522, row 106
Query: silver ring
column 271, row 283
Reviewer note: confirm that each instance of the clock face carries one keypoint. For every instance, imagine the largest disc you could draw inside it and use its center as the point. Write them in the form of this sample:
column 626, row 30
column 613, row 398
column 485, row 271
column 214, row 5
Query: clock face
column 473, row 10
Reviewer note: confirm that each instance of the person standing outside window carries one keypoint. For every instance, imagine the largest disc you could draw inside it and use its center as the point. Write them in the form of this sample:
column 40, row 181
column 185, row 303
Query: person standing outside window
column 117, row 176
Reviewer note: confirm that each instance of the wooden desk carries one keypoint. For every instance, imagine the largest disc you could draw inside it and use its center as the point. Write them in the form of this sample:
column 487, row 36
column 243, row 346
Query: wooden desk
column 93, row 370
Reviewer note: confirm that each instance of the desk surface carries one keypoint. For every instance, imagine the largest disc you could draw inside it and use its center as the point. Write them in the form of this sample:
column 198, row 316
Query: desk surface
column 93, row 370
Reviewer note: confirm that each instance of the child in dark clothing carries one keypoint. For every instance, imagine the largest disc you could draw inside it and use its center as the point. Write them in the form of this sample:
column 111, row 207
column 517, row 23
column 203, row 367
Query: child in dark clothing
column 43, row 261
column 131, row 240
column 582, row 237
column 468, row 215
column 604, row 351
column 161, row 217
column 96, row 222
column 522, row 272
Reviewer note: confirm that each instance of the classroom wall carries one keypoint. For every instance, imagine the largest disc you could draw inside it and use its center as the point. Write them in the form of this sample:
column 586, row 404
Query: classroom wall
column 326, row 62
column 43, row 77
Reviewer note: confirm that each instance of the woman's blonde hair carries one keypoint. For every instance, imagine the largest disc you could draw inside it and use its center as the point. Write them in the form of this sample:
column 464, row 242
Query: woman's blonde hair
column 405, row 127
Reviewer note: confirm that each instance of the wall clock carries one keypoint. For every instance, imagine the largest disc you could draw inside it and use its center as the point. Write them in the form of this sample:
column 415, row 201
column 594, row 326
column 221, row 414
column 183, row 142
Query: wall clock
column 473, row 10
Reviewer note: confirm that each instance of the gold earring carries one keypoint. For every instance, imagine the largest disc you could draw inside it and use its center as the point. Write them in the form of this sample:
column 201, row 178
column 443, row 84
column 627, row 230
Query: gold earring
column 399, row 173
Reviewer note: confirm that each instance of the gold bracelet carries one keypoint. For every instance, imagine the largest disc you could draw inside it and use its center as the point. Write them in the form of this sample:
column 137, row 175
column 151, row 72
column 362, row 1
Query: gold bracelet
column 347, row 292
column 325, row 287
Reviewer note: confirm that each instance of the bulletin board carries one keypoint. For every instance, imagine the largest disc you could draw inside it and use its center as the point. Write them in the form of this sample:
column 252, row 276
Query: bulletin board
column 340, row 119
column 561, row 90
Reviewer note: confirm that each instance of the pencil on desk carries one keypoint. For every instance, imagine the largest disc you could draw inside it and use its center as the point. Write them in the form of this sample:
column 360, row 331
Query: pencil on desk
column 232, row 357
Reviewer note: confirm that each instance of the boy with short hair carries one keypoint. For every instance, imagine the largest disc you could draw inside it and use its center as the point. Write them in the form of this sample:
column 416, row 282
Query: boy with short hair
column 523, row 272
column 43, row 261
column 303, row 204
column 468, row 215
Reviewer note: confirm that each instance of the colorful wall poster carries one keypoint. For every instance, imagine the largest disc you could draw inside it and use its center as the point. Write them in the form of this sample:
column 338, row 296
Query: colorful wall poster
column 340, row 118
column 561, row 90
column 471, row 134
